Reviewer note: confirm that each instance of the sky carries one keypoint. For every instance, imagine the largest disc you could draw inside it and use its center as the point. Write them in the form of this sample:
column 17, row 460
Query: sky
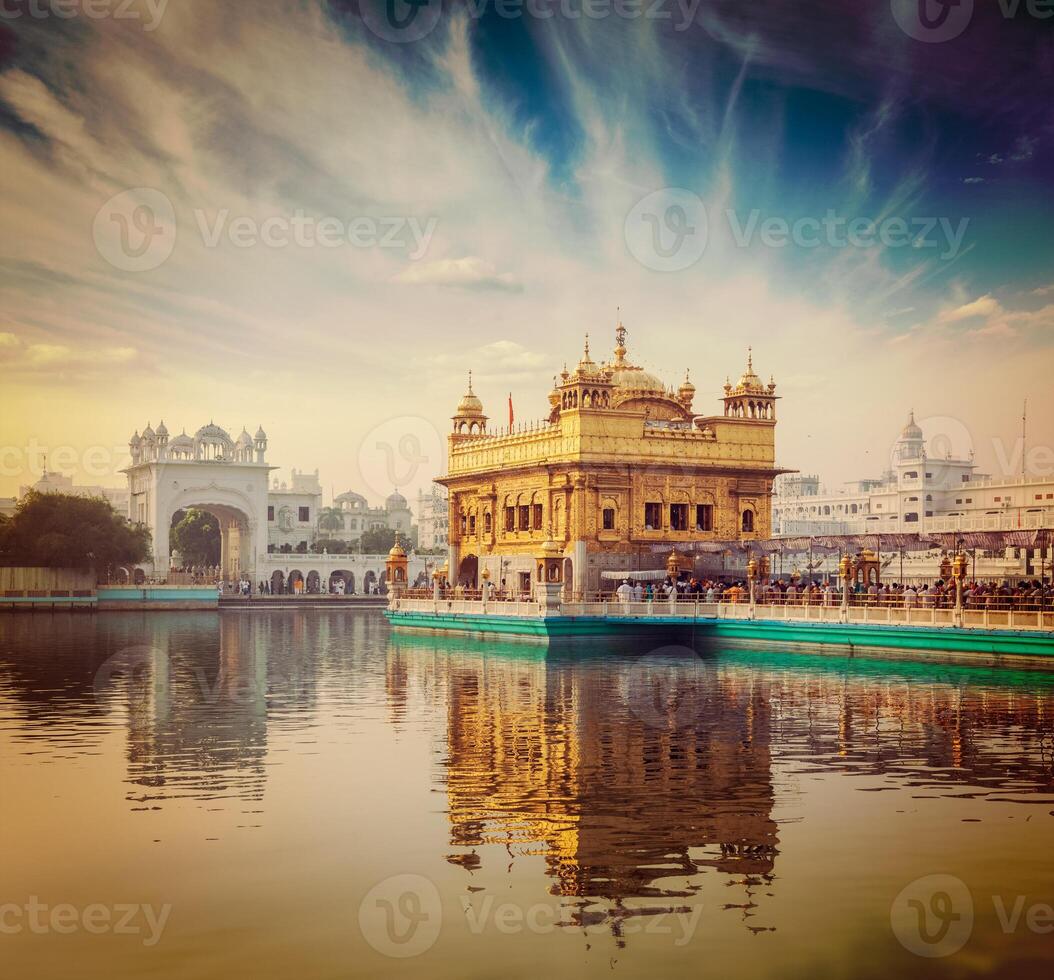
column 317, row 218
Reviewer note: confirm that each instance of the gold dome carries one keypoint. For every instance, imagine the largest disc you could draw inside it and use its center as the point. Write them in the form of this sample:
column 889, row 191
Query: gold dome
column 470, row 403
column 397, row 551
column 749, row 381
column 628, row 376
column 631, row 378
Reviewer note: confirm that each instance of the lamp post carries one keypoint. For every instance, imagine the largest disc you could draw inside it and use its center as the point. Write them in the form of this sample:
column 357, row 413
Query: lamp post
column 845, row 569
column 959, row 573
column 752, row 575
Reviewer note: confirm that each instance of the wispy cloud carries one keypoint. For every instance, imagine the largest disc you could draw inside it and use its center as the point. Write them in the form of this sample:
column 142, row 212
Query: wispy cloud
column 470, row 272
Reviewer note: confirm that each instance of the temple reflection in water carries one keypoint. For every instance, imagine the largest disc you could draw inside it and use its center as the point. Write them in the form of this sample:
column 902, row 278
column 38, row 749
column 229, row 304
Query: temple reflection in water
column 620, row 781
column 633, row 776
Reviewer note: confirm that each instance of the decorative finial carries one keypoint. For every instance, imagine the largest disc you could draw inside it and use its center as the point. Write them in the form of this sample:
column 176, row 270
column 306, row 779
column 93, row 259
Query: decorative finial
column 750, row 358
column 587, row 346
column 470, row 383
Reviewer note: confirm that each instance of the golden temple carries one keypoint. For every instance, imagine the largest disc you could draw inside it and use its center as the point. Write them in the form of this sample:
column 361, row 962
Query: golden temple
column 620, row 471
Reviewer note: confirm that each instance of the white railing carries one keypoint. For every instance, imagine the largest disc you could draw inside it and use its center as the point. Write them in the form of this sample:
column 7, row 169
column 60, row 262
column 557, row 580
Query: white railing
column 891, row 615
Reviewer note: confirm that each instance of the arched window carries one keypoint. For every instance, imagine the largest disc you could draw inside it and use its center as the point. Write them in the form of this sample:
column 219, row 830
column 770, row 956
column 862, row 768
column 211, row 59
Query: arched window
column 748, row 520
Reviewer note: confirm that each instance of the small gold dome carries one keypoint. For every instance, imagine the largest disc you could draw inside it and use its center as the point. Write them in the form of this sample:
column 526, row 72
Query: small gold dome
column 749, row 381
column 470, row 403
column 397, row 551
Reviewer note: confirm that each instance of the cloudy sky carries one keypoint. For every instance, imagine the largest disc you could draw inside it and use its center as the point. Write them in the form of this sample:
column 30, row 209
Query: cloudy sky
column 318, row 218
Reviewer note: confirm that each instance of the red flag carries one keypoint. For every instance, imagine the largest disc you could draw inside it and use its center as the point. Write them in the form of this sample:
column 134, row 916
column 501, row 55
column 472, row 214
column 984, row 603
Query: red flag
column 512, row 415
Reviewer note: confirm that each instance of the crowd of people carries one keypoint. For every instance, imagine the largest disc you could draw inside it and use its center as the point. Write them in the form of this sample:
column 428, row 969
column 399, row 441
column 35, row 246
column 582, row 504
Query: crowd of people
column 1025, row 595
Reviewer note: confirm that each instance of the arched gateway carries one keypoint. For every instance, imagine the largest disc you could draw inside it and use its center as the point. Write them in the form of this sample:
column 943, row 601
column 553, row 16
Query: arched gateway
column 211, row 472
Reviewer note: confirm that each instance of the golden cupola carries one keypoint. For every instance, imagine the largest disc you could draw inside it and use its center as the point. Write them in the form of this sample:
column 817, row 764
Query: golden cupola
column 686, row 393
column 470, row 418
column 751, row 398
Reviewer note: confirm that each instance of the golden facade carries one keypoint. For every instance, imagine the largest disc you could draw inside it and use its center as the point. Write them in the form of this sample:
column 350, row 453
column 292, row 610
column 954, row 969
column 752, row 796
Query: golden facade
column 620, row 471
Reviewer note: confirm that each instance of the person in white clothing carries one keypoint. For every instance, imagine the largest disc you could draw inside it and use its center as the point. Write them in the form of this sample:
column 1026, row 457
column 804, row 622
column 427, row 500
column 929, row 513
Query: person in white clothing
column 625, row 592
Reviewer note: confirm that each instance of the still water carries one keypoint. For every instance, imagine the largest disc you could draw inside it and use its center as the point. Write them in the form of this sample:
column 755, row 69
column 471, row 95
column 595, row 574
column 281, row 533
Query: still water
column 304, row 793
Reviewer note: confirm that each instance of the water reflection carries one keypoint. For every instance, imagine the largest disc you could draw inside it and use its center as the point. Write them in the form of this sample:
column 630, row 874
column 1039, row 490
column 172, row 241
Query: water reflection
column 632, row 774
column 620, row 781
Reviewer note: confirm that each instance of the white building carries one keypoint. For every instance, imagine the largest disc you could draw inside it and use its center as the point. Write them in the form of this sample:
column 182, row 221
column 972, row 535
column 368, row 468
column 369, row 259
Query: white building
column 923, row 494
column 919, row 493
column 433, row 519
column 58, row 483
column 263, row 520
column 209, row 471
column 293, row 511
column 357, row 516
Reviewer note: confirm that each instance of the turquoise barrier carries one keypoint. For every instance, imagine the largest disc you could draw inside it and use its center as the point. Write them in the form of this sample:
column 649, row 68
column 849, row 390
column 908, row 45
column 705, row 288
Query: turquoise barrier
column 124, row 596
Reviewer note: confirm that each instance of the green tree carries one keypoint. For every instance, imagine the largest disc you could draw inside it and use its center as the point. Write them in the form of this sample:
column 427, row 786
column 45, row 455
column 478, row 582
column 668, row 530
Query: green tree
column 377, row 541
column 331, row 519
column 55, row 530
column 195, row 534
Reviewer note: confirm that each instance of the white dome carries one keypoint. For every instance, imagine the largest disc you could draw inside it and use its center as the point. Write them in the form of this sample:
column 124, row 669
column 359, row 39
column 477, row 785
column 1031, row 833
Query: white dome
column 395, row 502
column 212, row 431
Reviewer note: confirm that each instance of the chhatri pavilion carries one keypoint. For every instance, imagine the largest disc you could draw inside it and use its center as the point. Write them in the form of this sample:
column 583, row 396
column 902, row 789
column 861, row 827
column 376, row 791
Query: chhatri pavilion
column 621, row 472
